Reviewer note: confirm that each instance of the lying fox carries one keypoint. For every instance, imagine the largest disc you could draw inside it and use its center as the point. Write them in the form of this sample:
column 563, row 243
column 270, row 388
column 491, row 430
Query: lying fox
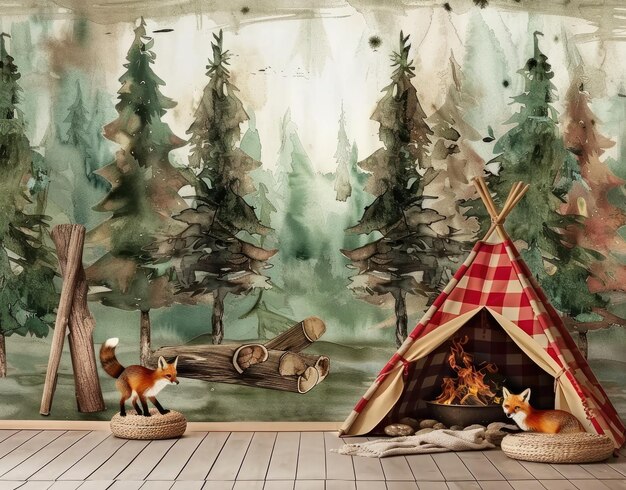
column 138, row 382
column 516, row 407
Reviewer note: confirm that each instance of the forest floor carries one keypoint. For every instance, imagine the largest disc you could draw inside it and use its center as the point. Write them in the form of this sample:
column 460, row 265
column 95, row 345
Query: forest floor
column 352, row 370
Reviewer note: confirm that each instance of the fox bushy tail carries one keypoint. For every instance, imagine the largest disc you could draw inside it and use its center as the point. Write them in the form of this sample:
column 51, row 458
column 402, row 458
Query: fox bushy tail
column 108, row 360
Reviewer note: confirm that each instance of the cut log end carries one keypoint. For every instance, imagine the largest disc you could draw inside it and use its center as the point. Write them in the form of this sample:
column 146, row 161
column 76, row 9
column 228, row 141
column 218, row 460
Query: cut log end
column 313, row 328
column 323, row 367
column 308, row 379
column 248, row 355
column 291, row 364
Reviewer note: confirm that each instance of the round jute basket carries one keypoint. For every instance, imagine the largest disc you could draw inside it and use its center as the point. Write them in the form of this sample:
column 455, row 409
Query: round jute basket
column 133, row 426
column 558, row 448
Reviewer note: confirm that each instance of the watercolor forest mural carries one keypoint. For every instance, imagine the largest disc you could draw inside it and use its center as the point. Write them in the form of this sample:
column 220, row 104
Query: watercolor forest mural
column 240, row 167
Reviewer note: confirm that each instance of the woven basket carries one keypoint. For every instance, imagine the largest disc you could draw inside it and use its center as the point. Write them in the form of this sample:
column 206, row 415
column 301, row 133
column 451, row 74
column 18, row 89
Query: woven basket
column 558, row 448
column 158, row 426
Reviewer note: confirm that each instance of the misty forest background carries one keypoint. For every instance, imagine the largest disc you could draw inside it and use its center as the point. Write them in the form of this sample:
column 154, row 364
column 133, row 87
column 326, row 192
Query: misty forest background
column 204, row 235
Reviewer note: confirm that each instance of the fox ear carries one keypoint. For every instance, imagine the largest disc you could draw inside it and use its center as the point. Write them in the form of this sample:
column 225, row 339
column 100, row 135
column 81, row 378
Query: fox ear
column 175, row 363
column 505, row 392
column 161, row 362
column 525, row 394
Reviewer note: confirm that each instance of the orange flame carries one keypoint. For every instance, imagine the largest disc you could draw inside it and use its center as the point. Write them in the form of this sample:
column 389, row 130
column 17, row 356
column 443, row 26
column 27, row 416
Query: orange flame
column 469, row 387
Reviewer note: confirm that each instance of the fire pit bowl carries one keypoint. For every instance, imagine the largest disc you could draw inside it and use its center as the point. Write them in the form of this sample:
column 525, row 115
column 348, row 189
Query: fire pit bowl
column 466, row 415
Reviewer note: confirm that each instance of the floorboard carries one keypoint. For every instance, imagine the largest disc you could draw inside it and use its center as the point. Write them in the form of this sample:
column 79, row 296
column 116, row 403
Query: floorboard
column 203, row 459
column 41, row 458
column 284, row 460
column 311, row 457
column 93, row 460
column 16, row 440
column 338, row 466
column 149, row 457
column 480, row 466
column 59, row 465
column 119, row 461
column 257, row 459
column 177, row 456
column 26, row 450
column 229, row 460
column 452, row 467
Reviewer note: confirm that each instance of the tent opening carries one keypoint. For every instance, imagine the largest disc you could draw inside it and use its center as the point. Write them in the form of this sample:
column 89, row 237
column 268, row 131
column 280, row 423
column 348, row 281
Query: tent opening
column 488, row 342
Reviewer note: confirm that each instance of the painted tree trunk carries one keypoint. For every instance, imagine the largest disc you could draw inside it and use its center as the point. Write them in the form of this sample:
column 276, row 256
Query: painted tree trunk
column 3, row 357
column 401, row 317
column 144, row 338
column 217, row 319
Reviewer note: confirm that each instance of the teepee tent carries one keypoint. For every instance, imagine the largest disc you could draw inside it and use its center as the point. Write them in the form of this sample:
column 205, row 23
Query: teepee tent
column 496, row 305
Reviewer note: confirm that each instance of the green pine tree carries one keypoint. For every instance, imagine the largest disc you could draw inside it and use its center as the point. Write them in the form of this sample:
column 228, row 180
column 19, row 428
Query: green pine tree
column 211, row 258
column 533, row 151
column 27, row 263
column 143, row 196
column 409, row 247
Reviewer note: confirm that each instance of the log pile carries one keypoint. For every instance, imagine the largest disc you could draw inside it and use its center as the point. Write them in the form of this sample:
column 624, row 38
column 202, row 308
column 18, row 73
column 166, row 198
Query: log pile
column 278, row 364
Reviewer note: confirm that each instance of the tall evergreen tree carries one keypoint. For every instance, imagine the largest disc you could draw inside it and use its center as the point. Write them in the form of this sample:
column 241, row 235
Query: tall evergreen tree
column 210, row 257
column 455, row 161
column 410, row 258
column 533, row 151
column 590, row 197
column 343, row 184
column 299, row 231
column 27, row 263
column 143, row 195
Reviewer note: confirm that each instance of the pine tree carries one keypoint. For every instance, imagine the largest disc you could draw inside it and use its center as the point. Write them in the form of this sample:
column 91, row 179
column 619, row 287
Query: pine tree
column 589, row 197
column 143, row 195
column 211, row 258
column 409, row 248
column 298, row 233
column 533, row 151
column 456, row 163
column 27, row 263
column 81, row 161
column 343, row 184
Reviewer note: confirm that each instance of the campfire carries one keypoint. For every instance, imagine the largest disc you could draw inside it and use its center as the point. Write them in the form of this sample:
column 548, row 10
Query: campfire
column 472, row 385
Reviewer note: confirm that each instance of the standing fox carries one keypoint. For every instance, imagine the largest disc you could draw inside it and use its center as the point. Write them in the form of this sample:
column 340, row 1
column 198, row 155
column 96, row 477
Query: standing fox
column 137, row 382
column 516, row 407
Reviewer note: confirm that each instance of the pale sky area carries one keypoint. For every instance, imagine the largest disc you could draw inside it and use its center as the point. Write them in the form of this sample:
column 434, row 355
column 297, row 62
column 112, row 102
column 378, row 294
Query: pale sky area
column 275, row 69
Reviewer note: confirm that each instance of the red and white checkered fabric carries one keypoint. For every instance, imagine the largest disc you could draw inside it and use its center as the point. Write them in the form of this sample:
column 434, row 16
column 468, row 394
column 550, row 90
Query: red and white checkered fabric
column 495, row 276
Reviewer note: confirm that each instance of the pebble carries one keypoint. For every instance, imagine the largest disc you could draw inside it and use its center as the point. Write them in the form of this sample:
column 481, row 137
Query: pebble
column 494, row 436
column 396, row 430
column 428, row 423
column 410, row 422
column 474, row 426
column 439, row 425
column 456, row 427
column 423, row 431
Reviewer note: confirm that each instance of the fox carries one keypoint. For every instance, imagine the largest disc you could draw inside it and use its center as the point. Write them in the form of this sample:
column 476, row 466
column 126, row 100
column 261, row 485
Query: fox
column 138, row 382
column 518, row 408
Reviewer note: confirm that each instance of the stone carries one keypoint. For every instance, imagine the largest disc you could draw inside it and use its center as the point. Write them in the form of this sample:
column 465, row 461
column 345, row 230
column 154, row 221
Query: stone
column 474, row 426
column 410, row 422
column 456, row 427
column 396, row 430
column 424, row 431
column 439, row 425
column 494, row 436
column 428, row 423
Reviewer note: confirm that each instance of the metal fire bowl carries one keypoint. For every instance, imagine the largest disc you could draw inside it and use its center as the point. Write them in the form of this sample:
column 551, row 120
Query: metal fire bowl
column 465, row 415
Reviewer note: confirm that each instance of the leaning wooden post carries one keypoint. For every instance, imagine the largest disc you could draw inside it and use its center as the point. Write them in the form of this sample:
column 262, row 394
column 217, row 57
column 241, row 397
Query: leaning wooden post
column 76, row 238
column 81, row 326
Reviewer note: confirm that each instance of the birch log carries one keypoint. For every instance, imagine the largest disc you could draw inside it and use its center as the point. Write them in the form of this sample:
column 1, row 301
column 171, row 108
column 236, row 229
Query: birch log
column 298, row 337
column 81, row 326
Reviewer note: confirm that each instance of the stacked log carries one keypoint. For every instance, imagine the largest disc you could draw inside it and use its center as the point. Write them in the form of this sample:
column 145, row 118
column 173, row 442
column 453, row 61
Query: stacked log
column 278, row 364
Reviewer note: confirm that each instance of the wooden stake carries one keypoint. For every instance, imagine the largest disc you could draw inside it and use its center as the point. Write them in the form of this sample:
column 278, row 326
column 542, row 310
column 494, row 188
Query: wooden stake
column 74, row 259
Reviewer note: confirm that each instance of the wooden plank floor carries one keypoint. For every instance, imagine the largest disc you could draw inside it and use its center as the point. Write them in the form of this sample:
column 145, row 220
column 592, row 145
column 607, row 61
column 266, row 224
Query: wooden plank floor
column 92, row 460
